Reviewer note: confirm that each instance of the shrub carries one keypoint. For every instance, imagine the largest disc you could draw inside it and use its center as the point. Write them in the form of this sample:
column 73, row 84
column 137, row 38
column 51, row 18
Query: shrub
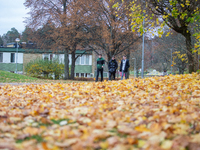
column 44, row 68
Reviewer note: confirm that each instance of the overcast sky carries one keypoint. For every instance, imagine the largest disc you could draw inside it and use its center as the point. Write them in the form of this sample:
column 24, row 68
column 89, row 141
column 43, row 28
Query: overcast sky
column 12, row 14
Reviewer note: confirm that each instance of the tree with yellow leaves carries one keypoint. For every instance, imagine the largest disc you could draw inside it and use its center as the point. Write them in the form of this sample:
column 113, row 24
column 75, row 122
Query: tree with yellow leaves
column 176, row 14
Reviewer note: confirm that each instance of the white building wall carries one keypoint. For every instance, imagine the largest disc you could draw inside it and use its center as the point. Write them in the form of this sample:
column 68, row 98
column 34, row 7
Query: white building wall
column 6, row 58
column 90, row 61
column 70, row 59
column 20, row 58
column 61, row 58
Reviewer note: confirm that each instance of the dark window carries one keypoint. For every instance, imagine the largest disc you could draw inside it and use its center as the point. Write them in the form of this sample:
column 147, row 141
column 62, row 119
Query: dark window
column 12, row 58
column 1, row 57
column 82, row 74
column 46, row 57
column 87, row 75
column 77, row 74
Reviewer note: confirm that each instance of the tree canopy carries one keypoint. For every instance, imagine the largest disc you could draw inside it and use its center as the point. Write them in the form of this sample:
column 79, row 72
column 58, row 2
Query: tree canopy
column 176, row 14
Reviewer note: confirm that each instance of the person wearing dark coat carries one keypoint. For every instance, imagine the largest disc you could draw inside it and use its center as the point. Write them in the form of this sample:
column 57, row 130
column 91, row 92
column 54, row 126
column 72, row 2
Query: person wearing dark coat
column 124, row 67
column 112, row 67
column 100, row 65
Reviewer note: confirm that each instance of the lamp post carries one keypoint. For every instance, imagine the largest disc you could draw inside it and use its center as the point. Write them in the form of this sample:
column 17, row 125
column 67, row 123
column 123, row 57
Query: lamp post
column 17, row 40
column 198, row 60
column 142, row 73
column 171, row 61
column 134, row 67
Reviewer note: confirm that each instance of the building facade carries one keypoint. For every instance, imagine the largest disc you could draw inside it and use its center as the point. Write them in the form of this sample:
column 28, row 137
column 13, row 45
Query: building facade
column 10, row 60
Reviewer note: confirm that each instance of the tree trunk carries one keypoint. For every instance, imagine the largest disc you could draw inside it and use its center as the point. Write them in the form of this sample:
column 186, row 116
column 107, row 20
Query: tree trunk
column 137, row 72
column 66, row 61
column 110, row 54
column 73, row 64
column 190, row 55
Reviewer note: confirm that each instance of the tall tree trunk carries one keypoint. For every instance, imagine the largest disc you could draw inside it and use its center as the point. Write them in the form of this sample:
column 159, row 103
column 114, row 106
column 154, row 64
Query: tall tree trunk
column 137, row 72
column 190, row 55
column 109, row 57
column 73, row 56
column 66, row 61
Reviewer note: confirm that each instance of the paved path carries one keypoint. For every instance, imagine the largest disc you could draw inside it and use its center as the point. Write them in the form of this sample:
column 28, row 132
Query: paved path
column 2, row 84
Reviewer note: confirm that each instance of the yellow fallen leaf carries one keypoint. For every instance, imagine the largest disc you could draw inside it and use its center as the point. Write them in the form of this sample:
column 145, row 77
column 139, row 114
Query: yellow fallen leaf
column 67, row 142
column 167, row 144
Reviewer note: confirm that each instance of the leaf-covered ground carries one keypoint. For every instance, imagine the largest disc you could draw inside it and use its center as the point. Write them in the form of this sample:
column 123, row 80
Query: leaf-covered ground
column 152, row 114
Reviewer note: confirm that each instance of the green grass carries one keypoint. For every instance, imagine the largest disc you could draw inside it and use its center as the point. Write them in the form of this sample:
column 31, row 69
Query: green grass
column 38, row 138
column 7, row 77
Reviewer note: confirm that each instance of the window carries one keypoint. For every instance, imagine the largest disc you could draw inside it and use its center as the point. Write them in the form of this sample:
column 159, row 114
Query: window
column 12, row 58
column 1, row 57
column 46, row 57
column 56, row 57
column 77, row 74
column 87, row 59
column 82, row 74
column 87, row 75
column 70, row 60
column 78, row 61
column 83, row 60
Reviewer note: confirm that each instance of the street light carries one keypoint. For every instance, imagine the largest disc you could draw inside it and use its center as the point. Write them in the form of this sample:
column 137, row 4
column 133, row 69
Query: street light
column 171, row 60
column 142, row 73
column 134, row 67
column 17, row 40
column 198, row 59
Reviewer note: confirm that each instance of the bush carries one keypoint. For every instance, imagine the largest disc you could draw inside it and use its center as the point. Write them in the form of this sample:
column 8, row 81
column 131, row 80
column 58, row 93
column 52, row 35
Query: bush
column 44, row 68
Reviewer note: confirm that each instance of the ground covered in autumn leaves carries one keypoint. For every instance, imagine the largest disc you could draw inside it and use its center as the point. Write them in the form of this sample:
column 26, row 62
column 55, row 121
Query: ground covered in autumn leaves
column 152, row 114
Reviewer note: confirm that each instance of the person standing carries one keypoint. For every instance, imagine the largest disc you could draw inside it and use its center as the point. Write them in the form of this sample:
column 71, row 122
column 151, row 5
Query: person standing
column 100, row 65
column 112, row 67
column 124, row 67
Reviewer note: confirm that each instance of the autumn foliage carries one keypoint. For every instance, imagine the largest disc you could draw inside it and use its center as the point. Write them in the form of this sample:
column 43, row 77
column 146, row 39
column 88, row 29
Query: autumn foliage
column 45, row 68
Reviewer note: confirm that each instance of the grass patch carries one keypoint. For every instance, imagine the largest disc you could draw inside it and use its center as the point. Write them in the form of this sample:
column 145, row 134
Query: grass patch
column 38, row 138
column 114, row 130
column 8, row 77
column 58, row 121
column 53, row 121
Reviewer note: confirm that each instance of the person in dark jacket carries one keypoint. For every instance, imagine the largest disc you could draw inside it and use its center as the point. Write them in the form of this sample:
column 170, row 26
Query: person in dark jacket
column 100, row 65
column 124, row 67
column 112, row 67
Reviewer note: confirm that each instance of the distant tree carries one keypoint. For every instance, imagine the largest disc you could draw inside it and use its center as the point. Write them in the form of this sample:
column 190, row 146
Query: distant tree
column 26, row 35
column 44, row 37
column 172, row 44
column 11, row 35
column 55, row 13
column 59, row 26
column 109, row 31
